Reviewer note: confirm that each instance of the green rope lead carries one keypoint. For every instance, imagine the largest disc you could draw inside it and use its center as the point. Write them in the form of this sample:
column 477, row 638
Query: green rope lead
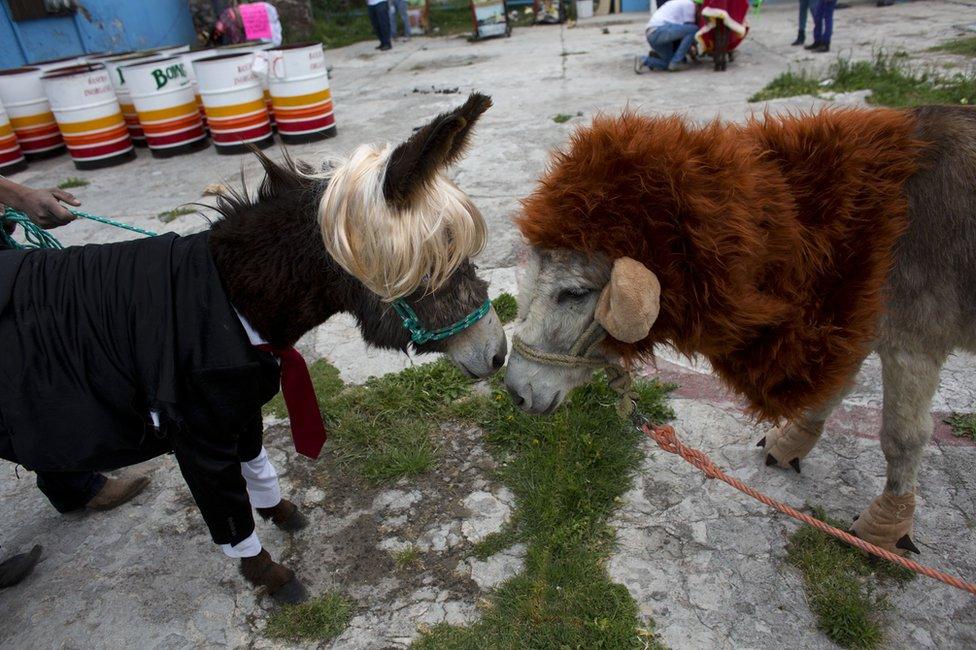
column 37, row 237
column 419, row 335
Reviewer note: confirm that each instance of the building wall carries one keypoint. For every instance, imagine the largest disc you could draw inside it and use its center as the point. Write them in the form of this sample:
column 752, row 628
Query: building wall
column 100, row 26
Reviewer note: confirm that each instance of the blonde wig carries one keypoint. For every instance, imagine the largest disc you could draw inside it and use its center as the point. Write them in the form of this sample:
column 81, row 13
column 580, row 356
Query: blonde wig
column 393, row 251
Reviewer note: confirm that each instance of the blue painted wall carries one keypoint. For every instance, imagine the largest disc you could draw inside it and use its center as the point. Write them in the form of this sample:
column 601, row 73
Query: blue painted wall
column 104, row 26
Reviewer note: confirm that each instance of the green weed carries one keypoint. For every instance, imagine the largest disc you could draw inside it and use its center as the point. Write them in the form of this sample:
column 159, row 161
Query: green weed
column 841, row 585
column 71, row 182
column 965, row 46
column 891, row 80
column 320, row 619
column 506, row 307
column 170, row 215
column 566, row 471
column 963, row 425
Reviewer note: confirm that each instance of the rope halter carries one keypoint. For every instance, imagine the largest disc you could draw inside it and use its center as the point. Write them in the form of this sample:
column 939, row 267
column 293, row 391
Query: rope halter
column 581, row 355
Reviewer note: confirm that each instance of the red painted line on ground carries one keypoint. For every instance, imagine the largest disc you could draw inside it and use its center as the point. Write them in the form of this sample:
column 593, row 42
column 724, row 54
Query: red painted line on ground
column 848, row 419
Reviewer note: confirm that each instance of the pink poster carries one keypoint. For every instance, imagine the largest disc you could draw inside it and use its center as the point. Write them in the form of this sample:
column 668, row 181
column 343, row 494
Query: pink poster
column 257, row 26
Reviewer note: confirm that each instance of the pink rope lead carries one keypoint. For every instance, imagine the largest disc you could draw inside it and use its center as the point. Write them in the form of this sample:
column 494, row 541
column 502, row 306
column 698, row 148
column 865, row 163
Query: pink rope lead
column 667, row 439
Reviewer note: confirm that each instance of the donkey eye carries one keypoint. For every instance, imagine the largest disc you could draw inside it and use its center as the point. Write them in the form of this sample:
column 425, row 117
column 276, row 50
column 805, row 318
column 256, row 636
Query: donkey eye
column 570, row 295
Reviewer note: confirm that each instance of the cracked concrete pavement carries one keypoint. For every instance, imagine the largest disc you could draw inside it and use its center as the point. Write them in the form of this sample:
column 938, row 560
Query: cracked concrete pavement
column 707, row 565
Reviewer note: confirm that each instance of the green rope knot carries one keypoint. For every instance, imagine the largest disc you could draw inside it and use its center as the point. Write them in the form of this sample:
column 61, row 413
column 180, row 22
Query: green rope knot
column 420, row 335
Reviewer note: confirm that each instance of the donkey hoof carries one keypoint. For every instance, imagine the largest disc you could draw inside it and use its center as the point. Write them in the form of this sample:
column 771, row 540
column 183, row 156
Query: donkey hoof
column 906, row 544
column 789, row 441
column 285, row 516
column 292, row 592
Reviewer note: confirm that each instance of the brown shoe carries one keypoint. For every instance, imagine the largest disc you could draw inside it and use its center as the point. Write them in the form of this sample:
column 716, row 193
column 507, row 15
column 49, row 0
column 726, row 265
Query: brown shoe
column 286, row 516
column 117, row 491
column 279, row 581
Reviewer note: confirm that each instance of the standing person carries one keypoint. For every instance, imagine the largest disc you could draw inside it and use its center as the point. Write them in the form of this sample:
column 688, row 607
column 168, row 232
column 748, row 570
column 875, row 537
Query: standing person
column 67, row 491
column 399, row 7
column 823, row 25
column 673, row 21
column 801, row 34
column 379, row 16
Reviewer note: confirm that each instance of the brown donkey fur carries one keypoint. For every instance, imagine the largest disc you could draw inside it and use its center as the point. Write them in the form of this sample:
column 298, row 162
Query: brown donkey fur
column 772, row 240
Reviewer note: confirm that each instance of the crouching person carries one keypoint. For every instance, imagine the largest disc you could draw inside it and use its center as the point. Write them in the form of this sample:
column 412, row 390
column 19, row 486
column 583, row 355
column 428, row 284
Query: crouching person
column 673, row 23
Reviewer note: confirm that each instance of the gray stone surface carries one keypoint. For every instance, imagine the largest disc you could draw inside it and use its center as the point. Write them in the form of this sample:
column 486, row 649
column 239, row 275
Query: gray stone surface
column 707, row 565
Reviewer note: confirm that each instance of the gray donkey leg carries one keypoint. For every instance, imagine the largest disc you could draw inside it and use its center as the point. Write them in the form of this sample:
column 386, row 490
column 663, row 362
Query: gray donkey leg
column 911, row 378
column 787, row 444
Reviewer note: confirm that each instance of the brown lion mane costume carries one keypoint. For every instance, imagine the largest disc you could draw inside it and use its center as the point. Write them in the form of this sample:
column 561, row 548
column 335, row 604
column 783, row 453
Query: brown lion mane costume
column 772, row 240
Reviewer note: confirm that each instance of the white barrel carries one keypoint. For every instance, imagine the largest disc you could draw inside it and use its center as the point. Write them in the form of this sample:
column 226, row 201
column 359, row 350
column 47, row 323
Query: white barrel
column 188, row 59
column 63, row 62
column 300, row 94
column 11, row 157
column 163, row 96
column 173, row 50
column 234, row 102
column 88, row 115
column 30, row 113
column 260, row 51
column 114, row 66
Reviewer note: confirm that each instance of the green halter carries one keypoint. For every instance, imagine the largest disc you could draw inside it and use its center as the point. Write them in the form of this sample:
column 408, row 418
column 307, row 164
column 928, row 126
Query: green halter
column 420, row 335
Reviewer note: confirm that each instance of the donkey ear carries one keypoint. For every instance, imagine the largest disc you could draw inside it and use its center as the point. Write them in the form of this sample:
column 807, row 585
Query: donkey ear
column 415, row 162
column 629, row 304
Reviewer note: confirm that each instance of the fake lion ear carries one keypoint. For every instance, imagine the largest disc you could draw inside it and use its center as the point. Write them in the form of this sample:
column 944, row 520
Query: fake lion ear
column 414, row 163
column 629, row 304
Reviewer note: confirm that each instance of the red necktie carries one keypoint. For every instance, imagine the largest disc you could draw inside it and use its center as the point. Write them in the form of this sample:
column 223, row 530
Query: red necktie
column 307, row 429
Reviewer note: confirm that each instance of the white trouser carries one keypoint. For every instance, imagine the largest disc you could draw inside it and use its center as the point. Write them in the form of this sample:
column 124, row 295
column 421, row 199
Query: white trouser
column 264, row 492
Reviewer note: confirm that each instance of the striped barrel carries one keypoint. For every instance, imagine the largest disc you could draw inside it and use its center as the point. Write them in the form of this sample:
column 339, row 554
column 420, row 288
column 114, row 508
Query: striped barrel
column 164, row 99
column 188, row 59
column 232, row 98
column 88, row 116
column 114, row 66
column 260, row 51
column 30, row 113
column 11, row 157
column 300, row 94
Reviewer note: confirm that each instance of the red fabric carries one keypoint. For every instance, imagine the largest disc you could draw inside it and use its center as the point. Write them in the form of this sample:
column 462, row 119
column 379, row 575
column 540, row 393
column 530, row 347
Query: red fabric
column 307, row 429
column 737, row 11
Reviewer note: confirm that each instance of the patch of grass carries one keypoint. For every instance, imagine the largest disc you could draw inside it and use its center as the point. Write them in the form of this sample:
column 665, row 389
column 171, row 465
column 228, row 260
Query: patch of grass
column 506, row 307
column 406, row 557
column 320, row 619
column 566, row 471
column 170, row 215
column 495, row 542
column 892, row 81
column 71, row 182
column 841, row 585
column 965, row 46
column 561, row 118
column 963, row 425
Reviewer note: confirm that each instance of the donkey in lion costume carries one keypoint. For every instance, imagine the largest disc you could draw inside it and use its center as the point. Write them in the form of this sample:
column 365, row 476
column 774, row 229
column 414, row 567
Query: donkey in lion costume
column 783, row 250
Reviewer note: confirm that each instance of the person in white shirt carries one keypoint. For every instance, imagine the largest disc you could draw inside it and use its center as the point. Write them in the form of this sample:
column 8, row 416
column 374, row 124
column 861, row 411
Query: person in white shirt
column 379, row 16
column 671, row 22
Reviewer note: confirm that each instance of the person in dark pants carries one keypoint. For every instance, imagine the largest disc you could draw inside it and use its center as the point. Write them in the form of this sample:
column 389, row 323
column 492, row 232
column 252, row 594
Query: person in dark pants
column 67, row 491
column 379, row 16
column 801, row 33
column 823, row 25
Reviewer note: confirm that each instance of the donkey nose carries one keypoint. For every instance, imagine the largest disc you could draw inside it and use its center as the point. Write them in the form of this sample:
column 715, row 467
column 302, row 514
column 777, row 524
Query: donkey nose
column 518, row 399
column 498, row 360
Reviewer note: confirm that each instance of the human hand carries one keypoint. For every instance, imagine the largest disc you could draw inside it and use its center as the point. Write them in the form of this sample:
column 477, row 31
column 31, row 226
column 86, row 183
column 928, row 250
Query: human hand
column 43, row 207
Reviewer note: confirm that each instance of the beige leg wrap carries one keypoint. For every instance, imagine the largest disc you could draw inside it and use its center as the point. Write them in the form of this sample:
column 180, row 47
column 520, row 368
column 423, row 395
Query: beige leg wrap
column 788, row 443
column 887, row 522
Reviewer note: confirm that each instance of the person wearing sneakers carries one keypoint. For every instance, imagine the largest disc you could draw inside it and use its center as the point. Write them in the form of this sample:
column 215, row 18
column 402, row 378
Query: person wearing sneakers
column 674, row 21
column 66, row 491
